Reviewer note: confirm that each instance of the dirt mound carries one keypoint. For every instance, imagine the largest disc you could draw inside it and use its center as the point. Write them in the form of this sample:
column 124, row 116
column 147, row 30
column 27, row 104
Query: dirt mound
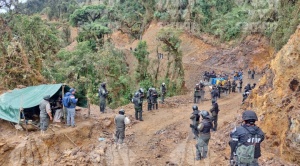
column 276, row 100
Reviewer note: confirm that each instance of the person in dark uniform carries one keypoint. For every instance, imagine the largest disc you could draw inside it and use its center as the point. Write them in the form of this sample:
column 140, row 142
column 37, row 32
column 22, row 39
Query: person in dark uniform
column 214, row 112
column 245, row 141
column 154, row 98
column 195, row 120
column 149, row 99
column 240, row 85
column 138, row 106
column 204, row 128
column 163, row 90
column 197, row 94
column 233, row 86
column 103, row 94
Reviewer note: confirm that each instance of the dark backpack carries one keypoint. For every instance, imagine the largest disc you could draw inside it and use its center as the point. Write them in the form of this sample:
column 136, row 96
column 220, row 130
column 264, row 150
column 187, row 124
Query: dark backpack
column 245, row 153
column 66, row 101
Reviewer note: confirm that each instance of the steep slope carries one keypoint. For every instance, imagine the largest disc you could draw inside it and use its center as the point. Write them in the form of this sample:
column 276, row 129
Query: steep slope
column 277, row 99
column 198, row 55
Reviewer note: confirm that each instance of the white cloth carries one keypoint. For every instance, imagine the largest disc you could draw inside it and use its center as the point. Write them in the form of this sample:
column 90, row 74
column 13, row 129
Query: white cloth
column 126, row 120
column 58, row 115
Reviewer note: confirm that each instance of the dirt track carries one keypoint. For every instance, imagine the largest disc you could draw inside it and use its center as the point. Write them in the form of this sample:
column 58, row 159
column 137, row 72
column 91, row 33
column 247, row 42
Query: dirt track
column 163, row 138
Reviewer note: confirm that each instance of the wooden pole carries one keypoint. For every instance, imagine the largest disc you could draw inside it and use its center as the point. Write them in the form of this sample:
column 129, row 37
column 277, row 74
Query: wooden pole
column 22, row 110
column 71, row 140
column 62, row 96
column 89, row 108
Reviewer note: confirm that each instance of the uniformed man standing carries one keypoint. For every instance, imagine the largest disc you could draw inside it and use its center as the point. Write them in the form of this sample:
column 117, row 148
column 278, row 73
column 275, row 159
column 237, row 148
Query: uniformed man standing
column 154, row 97
column 195, row 120
column 120, row 120
column 214, row 94
column 204, row 136
column 214, row 112
column 197, row 94
column 163, row 90
column 202, row 91
column 249, row 73
column 141, row 94
column 240, row 85
column 252, row 74
column 103, row 93
column 245, row 141
column 45, row 114
column 233, row 86
column 137, row 106
column 149, row 99
column 229, row 86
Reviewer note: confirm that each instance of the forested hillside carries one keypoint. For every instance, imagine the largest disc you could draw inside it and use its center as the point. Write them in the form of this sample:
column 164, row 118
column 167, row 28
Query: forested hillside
column 34, row 35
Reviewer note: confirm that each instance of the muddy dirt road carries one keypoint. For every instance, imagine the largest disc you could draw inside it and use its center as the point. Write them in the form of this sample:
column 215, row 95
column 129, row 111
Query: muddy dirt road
column 163, row 138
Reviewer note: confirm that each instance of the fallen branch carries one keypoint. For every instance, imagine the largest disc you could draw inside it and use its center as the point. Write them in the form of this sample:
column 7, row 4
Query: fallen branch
column 71, row 140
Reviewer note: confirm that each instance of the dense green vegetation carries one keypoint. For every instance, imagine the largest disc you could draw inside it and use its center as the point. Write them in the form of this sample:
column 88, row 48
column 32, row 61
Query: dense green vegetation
column 231, row 19
column 32, row 49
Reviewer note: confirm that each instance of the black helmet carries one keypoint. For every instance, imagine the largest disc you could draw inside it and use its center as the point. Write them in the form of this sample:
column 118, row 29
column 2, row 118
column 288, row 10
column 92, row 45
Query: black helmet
column 195, row 107
column 122, row 111
column 141, row 90
column 136, row 94
column 103, row 84
column 204, row 114
column 249, row 115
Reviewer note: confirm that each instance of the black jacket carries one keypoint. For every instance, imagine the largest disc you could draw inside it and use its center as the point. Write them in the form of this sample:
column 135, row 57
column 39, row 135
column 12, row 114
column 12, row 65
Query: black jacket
column 246, row 134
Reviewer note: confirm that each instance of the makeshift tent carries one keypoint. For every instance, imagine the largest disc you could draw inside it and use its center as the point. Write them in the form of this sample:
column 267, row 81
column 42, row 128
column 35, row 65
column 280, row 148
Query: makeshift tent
column 11, row 102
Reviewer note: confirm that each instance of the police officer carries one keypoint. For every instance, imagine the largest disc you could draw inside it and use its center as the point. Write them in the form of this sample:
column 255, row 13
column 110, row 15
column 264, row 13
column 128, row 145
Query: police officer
column 120, row 121
column 229, row 86
column 197, row 94
column 219, row 87
column 103, row 93
column 248, row 88
column 245, row 137
column 141, row 94
column 233, row 86
column 163, row 90
column 149, row 99
column 154, row 97
column 214, row 112
column 137, row 106
column 249, row 73
column 214, row 94
column 204, row 135
column 252, row 74
column 195, row 120
column 45, row 114
column 240, row 85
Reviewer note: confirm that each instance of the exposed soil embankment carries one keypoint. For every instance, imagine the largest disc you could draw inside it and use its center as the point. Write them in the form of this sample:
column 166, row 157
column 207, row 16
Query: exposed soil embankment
column 277, row 101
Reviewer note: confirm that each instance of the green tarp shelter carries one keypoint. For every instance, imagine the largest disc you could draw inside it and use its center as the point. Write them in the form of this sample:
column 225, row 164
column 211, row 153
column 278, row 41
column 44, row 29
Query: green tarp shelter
column 11, row 102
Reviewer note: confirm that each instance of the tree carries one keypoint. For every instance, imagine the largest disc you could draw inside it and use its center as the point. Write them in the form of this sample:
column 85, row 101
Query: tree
column 171, row 44
column 141, row 55
column 87, row 14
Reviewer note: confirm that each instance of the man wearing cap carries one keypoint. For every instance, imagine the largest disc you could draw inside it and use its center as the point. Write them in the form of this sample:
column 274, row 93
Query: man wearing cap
column 120, row 120
column 71, row 108
column 45, row 114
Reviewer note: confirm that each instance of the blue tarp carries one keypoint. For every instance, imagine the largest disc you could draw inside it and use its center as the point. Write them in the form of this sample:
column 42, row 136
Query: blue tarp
column 214, row 80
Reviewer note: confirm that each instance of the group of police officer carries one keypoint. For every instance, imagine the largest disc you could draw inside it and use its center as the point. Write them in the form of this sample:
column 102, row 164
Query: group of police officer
column 152, row 99
column 245, row 139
